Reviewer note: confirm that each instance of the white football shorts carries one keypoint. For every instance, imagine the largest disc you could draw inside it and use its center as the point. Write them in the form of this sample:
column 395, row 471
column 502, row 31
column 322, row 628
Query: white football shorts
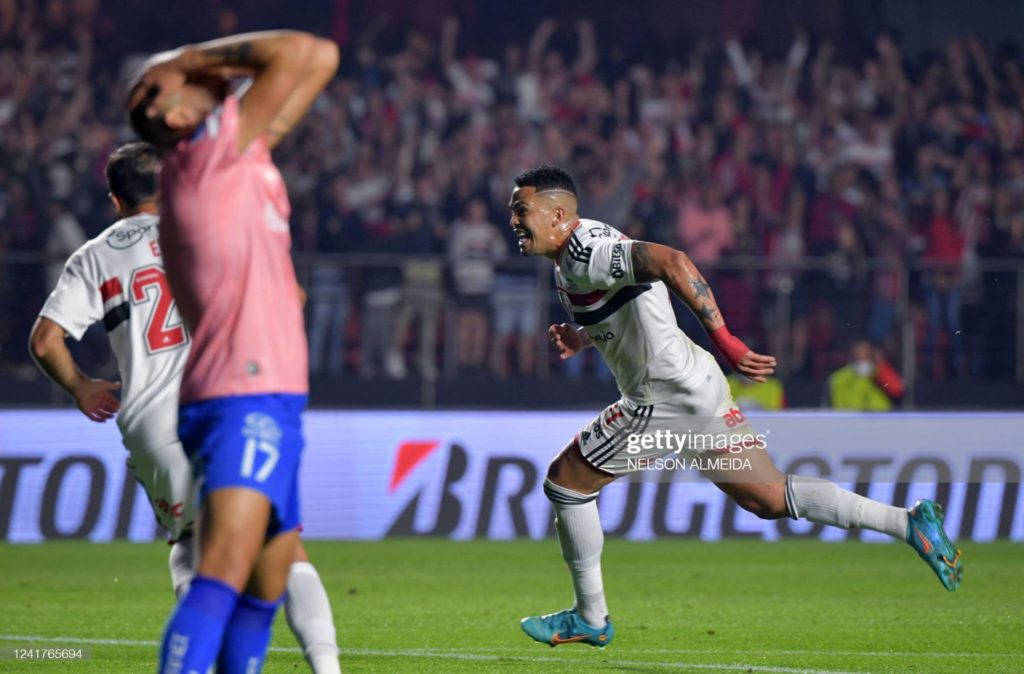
column 701, row 423
column 166, row 475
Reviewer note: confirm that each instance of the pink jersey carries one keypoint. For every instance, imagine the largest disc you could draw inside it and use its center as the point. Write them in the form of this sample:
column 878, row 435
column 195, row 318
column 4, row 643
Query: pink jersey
column 225, row 239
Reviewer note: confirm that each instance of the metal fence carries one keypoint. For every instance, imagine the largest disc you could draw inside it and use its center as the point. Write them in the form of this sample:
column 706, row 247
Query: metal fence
column 932, row 321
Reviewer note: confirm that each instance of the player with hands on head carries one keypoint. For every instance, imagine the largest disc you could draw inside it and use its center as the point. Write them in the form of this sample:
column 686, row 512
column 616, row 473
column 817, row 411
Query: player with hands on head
column 226, row 245
column 118, row 279
column 617, row 292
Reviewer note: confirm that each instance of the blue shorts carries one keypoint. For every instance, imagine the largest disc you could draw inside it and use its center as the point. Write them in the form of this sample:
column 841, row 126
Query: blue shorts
column 248, row 441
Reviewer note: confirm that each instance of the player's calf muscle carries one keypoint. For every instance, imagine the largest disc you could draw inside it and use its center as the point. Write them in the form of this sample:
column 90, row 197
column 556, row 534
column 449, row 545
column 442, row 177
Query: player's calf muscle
column 766, row 500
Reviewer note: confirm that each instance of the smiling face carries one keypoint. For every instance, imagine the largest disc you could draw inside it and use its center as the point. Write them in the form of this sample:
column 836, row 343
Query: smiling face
column 541, row 221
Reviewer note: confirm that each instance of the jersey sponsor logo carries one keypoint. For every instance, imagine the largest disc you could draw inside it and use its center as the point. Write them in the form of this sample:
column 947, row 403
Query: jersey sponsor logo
column 733, row 418
column 604, row 232
column 126, row 237
column 618, row 252
column 602, row 337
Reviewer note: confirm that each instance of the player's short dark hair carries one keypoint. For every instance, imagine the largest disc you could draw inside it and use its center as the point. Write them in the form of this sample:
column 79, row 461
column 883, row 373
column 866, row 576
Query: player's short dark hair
column 153, row 130
column 132, row 173
column 546, row 178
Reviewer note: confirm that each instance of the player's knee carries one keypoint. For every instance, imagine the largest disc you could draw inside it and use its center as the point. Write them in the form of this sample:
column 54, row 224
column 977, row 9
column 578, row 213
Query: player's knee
column 562, row 465
column 555, row 468
column 227, row 562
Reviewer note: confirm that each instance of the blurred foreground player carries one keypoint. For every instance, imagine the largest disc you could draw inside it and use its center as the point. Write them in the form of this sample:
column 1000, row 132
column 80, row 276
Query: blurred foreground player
column 118, row 278
column 225, row 240
column 617, row 290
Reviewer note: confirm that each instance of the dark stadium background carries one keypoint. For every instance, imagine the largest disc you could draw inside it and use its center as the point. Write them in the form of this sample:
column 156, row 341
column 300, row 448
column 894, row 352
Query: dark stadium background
column 869, row 255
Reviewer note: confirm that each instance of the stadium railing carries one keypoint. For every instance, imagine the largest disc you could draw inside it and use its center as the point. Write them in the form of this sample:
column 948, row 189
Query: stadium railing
column 806, row 312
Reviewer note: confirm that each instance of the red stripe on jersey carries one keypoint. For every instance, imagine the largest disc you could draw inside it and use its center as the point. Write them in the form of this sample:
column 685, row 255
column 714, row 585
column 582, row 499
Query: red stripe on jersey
column 588, row 299
column 110, row 288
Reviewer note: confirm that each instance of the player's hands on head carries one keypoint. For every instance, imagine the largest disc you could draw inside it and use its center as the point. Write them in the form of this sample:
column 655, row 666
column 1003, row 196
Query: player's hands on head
column 566, row 339
column 96, row 399
column 164, row 72
column 756, row 366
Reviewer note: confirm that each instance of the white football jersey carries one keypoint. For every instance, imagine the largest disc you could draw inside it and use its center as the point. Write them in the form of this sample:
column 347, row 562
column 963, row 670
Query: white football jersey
column 632, row 324
column 118, row 278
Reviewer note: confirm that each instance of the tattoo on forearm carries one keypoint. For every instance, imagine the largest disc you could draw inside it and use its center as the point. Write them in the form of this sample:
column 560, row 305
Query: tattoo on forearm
column 706, row 313
column 702, row 288
column 234, row 55
column 643, row 263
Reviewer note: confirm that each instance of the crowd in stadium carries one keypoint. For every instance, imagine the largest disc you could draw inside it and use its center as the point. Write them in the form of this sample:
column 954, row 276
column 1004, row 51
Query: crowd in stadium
column 865, row 169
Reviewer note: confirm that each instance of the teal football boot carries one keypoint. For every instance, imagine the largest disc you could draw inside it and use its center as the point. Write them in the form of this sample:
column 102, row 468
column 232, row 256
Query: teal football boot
column 926, row 535
column 567, row 627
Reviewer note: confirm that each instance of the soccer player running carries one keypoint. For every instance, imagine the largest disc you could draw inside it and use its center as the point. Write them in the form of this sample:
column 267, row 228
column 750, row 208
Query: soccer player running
column 617, row 291
column 118, row 278
column 225, row 239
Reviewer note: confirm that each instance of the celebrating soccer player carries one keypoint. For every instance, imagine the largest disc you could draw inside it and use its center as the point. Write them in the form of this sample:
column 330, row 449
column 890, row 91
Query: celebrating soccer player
column 118, row 278
column 617, row 292
column 225, row 239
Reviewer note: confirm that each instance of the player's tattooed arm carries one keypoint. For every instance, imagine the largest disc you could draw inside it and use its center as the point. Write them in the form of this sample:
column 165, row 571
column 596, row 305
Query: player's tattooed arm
column 654, row 262
column 233, row 54
column 290, row 70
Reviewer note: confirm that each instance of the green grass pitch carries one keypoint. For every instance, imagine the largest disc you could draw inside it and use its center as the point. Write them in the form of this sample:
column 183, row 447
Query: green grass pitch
column 432, row 605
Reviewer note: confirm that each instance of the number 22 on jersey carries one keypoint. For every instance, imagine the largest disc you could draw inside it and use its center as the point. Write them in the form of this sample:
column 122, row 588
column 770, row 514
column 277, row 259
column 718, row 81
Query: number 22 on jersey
column 149, row 284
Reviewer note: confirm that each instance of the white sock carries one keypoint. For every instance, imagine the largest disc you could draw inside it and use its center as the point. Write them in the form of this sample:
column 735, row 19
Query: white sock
column 579, row 532
column 182, row 564
column 822, row 501
column 309, row 615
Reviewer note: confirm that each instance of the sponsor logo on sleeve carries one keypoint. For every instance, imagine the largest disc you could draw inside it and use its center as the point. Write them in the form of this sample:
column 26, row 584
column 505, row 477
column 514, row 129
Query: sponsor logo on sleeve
column 618, row 252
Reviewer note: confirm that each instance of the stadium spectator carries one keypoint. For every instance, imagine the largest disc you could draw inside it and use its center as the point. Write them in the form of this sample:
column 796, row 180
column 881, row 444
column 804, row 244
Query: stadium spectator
column 423, row 231
column 329, row 294
column 475, row 245
column 942, row 285
column 867, row 383
column 830, row 145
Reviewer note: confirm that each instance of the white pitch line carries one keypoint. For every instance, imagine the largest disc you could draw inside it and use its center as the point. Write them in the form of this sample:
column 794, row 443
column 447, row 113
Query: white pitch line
column 455, row 655
column 755, row 651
